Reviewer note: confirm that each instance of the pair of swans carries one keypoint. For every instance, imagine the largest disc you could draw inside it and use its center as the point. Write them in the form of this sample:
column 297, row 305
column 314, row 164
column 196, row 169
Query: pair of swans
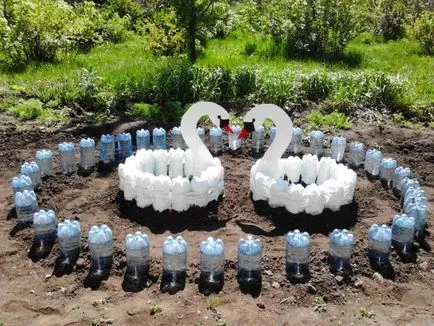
column 200, row 176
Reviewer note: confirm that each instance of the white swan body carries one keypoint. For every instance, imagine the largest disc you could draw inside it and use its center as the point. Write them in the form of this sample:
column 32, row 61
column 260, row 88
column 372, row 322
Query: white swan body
column 329, row 185
column 177, row 179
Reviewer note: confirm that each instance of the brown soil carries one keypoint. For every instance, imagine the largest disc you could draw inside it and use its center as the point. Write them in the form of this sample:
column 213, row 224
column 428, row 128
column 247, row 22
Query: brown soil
column 32, row 294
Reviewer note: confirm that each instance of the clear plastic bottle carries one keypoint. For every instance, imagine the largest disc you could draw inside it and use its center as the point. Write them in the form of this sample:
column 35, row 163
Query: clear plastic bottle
column 403, row 229
column 33, row 172
column 258, row 140
column 398, row 176
column 174, row 264
column 407, row 184
column 379, row 242
column 216, row 141
column 295, row 145
column 338, row 148
column 143, row 139
column 69, row 235
column 67, row 157
column 340, row 251
column 125, row 145
column 201, row 133
column 21, row 183
column 271, row 135
column 297, row 255
column 249, row 260
column 316, row 141
column 100, row 241
column 25, row 205
column 373, row 161
column 87, row 154
column 137, row 249
column 356, row 154
column 44, row 227
column 234, row 142
column 159, row 138
column 387, row 168
column 44, row 159
column 212, row 265
column 107, row 149
column 177, row 139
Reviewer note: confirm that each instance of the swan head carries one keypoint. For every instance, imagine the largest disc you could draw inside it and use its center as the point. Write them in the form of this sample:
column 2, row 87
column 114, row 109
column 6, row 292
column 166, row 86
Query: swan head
column 253, row 120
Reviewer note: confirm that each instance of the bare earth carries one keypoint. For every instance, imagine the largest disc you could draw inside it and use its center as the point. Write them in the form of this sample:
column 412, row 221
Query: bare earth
column 30, row 294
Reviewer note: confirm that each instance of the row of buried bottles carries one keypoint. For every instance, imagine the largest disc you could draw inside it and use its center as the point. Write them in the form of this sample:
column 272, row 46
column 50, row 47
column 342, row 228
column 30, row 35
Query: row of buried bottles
column 212, row 257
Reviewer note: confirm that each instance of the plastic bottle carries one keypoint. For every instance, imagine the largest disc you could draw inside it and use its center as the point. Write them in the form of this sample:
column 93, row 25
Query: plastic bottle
column 137, row 249
column 356, row 154
column 107, row 149
column 379, row 242
column 338, row 148
column 272, row 135
column 69, row 235
column 67, row 157
column 25, row 205
column 143, row 139
column 32, row 171
column 201, row 133
column 177, row 139
column 295, row 144
column 407, row 184
column 212, row 264
column 403, row 228
column 44, row 227
column 387, row 168
column 340, row 250
column 21, row 183
column 373, row 161
column 297, row 255
column 249, row 260
column 216, row 141
column 159, row 138
column 174, row 264
column 101, row 248
column 399, row 175
column 258, row 140
column 125, row 145
column 316, row 141
column 234, row 142
column 44, row 159
column 87, row 153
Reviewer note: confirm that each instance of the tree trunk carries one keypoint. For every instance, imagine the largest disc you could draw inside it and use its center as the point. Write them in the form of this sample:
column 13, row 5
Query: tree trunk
column 191, row 39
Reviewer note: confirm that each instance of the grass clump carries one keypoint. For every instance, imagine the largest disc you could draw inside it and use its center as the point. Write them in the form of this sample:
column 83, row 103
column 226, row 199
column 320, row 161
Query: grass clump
column 332, row 121
column 319, row 304
column 213, row 303
column 155, row 309
column 27, row 109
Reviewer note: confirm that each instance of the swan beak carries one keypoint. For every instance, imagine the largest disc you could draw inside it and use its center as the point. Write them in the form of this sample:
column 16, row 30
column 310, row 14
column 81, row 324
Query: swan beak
column 228, row 129
column 243, row 134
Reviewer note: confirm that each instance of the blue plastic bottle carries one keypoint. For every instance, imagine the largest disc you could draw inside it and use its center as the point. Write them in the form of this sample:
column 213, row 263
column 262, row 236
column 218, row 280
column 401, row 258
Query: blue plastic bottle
column 25, row 205
column 143, row 139
column 234, row 142
column 174, row 264
column 271, row 135
column 44, row 227
column 340, row 251
column 87, row 154
column 379, row 242
column 125, row 145
column 316, row 140
column 33, row 172
column 159, row 138
column 387, row 168
column 295, row 145
column 212, row 265
column 399, row 175
column 67, row 157
column 69, row 235
column 249, row 260
column 44, row 159
column 356, row 154
column 107, row 149
column 21, row 183
column 258, row 140
column 216, row 141
column 137, row 249
column 373, row 161
column 338, row 148
column 403, row 228
column 297, row 255
column 101, row 248
column 201, row 133
column 177, row 140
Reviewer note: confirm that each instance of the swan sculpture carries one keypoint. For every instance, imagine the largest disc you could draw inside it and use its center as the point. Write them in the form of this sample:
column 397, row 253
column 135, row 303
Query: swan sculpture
column 276, row 180
column 177, row 179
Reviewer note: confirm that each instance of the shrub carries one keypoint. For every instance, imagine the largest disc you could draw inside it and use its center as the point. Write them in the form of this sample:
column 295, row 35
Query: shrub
column 391, row 25
column 332, row 121
column 27, row 109
column 145, row 110
column 423, row 32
